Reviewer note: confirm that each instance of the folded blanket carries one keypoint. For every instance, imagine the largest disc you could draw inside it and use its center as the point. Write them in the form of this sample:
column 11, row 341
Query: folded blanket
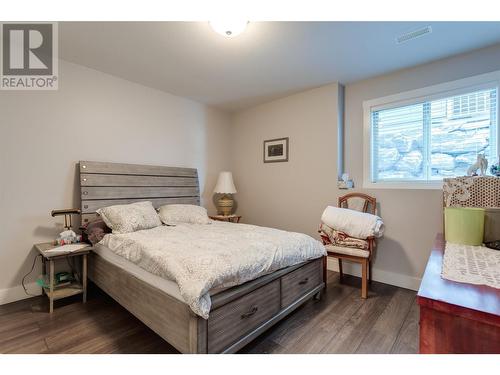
column 353, row 223
column 337, row 238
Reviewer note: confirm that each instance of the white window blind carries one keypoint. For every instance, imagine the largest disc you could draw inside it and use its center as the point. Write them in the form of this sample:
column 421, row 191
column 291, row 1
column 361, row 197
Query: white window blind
column 430, row 140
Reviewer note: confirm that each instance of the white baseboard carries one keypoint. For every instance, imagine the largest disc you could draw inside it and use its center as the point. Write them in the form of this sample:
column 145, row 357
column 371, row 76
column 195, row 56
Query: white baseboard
column 17, row 293
column 386, row 277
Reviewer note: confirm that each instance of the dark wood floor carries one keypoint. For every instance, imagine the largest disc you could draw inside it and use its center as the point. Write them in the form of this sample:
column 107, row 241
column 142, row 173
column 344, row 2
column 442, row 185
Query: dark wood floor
column 341, row 322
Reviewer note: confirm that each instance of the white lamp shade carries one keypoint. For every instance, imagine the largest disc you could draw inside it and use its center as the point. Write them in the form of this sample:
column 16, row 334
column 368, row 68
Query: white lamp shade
column 225, row 184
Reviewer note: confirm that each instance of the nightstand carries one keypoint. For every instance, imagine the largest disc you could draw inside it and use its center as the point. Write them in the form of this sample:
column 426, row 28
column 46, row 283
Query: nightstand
column 54, row 292
column 228, row 218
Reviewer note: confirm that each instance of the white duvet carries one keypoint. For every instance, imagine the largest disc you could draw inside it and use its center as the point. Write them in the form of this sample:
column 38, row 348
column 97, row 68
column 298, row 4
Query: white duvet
column 202, row 257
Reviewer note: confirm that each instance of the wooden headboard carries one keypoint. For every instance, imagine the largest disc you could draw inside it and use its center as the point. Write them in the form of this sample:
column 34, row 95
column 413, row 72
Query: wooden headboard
column 106, row 184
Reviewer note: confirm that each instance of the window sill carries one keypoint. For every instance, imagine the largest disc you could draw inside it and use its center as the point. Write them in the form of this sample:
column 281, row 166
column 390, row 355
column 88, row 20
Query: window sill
column 425, row 185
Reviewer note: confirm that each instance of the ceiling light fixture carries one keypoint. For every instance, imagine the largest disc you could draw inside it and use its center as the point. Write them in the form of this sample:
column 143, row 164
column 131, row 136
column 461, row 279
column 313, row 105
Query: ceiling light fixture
column 229, row 29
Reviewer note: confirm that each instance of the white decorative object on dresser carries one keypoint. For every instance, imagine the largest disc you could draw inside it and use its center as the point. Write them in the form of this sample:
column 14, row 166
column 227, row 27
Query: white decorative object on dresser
column 481, row 164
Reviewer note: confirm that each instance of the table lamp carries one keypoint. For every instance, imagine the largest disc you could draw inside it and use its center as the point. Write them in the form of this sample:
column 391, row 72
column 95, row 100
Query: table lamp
column 225, row 186
column 67, row 212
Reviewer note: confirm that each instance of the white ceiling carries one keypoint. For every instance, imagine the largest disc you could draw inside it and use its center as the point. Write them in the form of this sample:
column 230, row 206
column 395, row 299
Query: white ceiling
column 269, row 60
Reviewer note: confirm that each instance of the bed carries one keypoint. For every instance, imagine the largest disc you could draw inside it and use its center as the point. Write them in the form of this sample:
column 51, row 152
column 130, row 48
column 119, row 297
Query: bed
column 237, row 314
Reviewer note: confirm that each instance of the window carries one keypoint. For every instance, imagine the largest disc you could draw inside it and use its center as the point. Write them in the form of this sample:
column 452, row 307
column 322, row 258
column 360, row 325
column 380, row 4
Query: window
column 423, row 140
column 470, row 104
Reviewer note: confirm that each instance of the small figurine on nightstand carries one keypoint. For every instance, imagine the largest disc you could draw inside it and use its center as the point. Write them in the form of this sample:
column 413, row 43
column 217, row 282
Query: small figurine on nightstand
column 68, row 236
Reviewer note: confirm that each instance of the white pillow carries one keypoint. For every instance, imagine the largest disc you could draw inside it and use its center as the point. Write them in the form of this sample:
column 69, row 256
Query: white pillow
column 126, row 218
column 172, row 214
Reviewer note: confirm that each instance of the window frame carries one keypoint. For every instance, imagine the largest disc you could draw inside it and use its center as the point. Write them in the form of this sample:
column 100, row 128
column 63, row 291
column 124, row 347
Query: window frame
column 429, row 93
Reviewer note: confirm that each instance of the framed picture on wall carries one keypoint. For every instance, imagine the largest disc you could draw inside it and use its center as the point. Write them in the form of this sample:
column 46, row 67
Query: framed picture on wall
column 276, row 150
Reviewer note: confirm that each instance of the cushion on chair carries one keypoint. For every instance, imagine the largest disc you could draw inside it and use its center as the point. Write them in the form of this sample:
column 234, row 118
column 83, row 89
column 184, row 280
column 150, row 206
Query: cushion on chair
column 347, row 251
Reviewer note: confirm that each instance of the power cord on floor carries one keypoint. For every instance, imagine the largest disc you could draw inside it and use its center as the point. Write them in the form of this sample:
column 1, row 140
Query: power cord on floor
column 73, row 271
column 29, row 273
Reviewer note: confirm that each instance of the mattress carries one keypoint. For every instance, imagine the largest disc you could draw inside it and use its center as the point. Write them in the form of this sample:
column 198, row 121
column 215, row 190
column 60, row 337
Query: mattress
column 167, row 286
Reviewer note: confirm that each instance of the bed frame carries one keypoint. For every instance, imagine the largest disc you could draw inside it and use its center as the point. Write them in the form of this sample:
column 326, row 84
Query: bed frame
column 238, row 314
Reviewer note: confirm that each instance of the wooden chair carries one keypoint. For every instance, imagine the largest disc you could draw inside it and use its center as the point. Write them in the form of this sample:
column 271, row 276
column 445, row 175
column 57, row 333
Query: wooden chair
column 364, row 203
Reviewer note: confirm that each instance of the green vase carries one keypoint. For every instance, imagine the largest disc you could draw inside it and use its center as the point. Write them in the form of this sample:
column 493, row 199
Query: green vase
column 464, row 225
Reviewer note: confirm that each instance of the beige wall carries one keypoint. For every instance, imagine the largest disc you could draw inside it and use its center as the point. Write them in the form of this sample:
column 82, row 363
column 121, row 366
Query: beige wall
column 412, row 217
column 292, row 195
column 93, row 116
column 288, row 195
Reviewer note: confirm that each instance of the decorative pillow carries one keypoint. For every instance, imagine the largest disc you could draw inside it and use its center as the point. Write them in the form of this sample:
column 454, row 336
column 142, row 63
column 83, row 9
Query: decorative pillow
column 126, row 218
column 172, row 214
column 96, row 230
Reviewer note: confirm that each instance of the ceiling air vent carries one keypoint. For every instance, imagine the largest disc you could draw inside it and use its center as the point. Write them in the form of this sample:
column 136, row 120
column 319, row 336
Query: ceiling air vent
column 413, row 34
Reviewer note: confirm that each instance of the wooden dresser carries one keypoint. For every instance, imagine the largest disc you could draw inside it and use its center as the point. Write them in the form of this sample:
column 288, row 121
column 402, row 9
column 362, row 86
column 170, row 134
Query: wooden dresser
column 456, row 317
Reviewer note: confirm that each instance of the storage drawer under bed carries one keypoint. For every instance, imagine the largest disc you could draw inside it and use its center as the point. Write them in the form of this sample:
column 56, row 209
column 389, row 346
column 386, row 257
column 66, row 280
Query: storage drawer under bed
column 299, row 282
column 231, row 321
